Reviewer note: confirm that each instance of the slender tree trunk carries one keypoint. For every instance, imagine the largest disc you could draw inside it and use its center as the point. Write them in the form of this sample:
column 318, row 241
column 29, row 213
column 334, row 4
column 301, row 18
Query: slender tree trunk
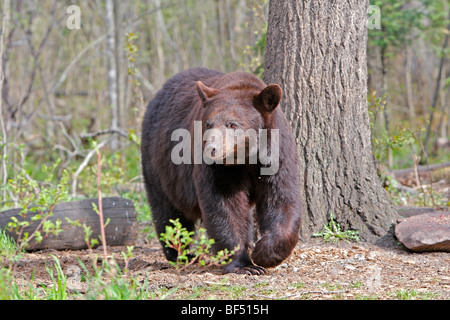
column 4, row 146
column 231, row 34
column 437, row 87
column 158, row 69
column 408, row 87
column 440, row 127
column 112, row 70
column 316, row 50
column 445, row 106
column 160, row 20
column 385, row 114
column 122, row 73
column 220, row 31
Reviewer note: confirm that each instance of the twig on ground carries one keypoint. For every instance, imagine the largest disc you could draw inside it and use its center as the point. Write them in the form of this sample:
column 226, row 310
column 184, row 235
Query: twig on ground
column 295, row 295
column 217, row 283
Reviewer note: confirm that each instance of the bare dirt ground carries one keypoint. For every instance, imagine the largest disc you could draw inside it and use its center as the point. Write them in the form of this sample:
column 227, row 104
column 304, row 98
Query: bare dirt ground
column 315, row 270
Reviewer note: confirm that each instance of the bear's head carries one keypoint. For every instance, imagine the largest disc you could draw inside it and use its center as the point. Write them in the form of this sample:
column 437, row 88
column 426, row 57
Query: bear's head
column 233, row 118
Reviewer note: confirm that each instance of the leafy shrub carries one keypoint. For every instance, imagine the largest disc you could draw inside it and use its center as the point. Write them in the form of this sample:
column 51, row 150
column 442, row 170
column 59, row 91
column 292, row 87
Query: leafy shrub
column 190, row 250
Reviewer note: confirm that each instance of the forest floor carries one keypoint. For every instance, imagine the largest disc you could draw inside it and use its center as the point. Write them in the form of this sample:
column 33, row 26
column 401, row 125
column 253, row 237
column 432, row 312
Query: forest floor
column 315, row 270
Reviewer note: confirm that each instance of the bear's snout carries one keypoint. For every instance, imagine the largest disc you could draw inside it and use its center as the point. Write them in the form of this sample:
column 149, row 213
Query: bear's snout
column 213, row 151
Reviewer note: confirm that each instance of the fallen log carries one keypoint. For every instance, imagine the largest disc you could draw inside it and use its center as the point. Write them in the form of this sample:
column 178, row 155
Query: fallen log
column 425, row 168
column 427, row 174
column 120, row 231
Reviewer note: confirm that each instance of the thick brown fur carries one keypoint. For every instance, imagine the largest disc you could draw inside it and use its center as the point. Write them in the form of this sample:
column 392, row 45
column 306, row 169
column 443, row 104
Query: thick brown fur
column 223, row 196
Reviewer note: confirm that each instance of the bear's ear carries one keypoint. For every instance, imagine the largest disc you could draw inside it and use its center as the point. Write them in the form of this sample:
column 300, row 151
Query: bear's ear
column 205, row 92
column 269, row 98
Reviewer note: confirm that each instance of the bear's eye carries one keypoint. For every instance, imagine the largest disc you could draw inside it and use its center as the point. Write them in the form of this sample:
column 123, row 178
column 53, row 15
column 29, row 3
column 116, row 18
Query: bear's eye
column 233, row 125
column 208, row 124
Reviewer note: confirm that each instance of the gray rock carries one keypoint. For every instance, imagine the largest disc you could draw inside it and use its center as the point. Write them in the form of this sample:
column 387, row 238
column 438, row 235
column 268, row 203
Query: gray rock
column 360, row 257
column 303, row 256
column 349, row 267
column 336, row 271
column 425, row 232
column 408, row 211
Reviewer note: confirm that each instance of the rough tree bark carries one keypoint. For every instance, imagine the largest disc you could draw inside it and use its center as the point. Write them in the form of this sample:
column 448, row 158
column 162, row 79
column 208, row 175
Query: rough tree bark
column 316, row 50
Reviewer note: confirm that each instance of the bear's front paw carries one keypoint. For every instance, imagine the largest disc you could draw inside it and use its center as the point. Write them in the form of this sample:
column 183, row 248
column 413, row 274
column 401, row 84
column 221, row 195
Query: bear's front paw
column 251, row 269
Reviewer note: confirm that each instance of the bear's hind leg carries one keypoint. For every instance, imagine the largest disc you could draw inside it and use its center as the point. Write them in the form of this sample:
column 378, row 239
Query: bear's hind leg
column 162, row 212
column 161, row 218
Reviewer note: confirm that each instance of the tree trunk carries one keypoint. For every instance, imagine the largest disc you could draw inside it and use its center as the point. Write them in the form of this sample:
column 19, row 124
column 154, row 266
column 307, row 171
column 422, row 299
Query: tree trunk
column 316, row 50
column 437, row 89
column 122, row 72
column 409, row 88
column 112, row 70
column 4, row 142
column 385, row 114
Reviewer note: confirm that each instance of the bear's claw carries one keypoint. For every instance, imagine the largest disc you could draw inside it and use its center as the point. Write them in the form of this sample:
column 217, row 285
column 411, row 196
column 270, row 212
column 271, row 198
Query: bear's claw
column 249, row 270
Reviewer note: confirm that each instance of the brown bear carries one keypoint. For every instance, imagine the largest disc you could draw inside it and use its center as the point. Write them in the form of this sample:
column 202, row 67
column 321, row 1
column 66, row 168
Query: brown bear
column 213, row 184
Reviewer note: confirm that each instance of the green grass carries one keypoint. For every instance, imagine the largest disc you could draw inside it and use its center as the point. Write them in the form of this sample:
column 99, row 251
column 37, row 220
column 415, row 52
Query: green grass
column 412, row 294
column 12, row 289
column 8, row 247
column 332, row 232
column 107, row 282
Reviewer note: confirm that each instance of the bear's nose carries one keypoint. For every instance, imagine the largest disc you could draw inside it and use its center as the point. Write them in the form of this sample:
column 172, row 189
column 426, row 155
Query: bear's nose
column 211, row 149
